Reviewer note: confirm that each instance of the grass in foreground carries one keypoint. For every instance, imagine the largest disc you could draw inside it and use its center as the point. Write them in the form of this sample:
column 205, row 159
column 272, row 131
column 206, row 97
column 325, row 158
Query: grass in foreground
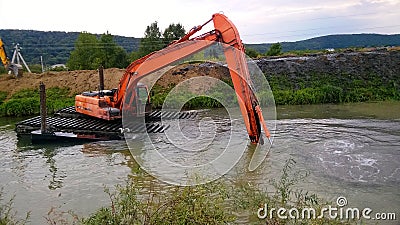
column 219, row 202
column 7, row 215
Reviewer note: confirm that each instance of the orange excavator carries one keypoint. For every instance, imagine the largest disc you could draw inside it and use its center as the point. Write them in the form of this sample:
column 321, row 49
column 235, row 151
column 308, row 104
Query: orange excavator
column 108, row 105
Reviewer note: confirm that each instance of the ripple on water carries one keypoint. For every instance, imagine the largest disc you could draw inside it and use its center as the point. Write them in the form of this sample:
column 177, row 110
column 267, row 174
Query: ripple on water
column 358, row 153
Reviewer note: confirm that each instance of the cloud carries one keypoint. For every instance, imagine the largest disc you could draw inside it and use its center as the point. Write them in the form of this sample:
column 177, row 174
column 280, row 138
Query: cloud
column 290, row 20
column 257, row 20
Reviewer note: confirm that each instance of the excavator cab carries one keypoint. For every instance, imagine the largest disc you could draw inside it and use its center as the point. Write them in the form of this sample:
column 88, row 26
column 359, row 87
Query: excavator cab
column 143, row 105
column 140, row 104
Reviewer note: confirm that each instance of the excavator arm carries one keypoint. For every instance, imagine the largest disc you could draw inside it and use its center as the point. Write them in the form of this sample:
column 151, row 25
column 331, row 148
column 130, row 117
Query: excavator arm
column 225, row 32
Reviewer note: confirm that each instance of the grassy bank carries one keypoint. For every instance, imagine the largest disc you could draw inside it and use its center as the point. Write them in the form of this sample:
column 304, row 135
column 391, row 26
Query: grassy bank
column 313, row 89
column 324, row 88
column 26, row 102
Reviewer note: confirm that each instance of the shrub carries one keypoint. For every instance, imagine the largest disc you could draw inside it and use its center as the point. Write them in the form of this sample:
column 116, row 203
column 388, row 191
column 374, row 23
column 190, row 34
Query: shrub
column 203, row 204
column 26, row 102
column 20, row 107
column 202, row 102
column 283, row 97
column 305, row 96
column 331, row 94
column 3, row 96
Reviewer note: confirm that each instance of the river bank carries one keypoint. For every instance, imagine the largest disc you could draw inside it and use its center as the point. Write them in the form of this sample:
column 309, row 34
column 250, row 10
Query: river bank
column 334, row 78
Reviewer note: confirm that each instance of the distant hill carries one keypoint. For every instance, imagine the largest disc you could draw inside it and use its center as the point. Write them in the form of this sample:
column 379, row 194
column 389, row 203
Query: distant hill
column 55, row 46
column 335, row 41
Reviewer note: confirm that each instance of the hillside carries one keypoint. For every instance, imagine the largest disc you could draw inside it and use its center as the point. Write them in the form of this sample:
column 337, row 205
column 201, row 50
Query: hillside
column 335, row 41
column 55, row 46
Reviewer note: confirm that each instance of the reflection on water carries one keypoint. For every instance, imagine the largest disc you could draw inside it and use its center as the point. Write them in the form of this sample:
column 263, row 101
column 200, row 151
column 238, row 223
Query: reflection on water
column 350, row 150
column 56, row 178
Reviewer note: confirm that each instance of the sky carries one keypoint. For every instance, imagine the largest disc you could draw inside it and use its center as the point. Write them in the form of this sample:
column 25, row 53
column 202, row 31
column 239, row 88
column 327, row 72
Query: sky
column 258, row 21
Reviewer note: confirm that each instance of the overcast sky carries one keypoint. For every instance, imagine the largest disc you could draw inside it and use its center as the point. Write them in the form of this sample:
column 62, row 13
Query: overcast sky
column 258, row 21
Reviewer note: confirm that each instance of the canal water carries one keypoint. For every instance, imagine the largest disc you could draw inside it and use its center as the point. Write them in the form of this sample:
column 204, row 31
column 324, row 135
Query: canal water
column 350, row 150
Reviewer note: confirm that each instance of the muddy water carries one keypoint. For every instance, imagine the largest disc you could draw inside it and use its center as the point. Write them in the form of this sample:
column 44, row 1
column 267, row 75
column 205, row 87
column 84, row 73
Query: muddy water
column 350, row 150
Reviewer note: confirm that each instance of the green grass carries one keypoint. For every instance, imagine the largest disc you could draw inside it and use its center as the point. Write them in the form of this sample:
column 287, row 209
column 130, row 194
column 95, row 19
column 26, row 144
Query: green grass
column 324, row 88
column 3, row 96
column 305, row 93
column 26, row 102
column 144, row 201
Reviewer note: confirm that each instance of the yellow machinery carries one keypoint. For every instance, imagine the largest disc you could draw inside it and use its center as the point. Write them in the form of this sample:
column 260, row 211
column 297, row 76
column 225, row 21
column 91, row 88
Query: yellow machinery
column 14, row 68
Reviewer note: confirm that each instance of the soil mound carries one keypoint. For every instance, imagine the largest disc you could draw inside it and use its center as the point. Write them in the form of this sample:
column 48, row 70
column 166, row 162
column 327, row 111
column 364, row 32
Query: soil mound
column 88, row 80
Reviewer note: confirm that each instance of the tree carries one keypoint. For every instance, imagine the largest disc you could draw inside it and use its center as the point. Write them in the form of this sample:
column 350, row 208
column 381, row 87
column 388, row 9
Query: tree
column 134, row 56
column 151, row 41
column 252, row 53
column 90, row 53
column 275, row 49
column 84, row 54
column 110, row 54
column 121, row 58
column 173, row 32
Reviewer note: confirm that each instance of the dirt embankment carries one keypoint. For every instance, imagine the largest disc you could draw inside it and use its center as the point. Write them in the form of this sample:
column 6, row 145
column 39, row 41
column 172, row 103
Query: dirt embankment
column 86, row 80
column 75, row 81
column 184, row 72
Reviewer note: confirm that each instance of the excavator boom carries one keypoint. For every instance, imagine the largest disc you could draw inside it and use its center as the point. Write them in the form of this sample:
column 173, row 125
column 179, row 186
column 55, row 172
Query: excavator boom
column 225, row 32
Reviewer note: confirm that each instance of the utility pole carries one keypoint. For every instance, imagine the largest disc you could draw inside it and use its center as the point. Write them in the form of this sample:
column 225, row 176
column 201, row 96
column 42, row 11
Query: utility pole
column 101, row 78
column 43, row 109
column 17, row 55
column 41, row 62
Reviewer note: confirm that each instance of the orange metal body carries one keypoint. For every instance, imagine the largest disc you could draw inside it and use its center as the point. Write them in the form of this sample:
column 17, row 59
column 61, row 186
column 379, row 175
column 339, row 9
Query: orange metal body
column 94, row 106
column 225, row 32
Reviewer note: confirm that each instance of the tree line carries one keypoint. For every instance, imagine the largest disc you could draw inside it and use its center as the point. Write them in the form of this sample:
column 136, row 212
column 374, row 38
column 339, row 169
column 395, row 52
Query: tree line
column 90, row 51
column 274, row 50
